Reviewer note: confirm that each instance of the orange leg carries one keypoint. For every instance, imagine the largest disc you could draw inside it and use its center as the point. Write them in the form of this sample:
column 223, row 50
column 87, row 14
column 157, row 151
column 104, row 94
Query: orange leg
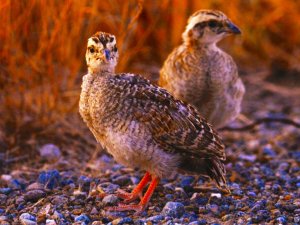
column 139, row 208
column 137, row 191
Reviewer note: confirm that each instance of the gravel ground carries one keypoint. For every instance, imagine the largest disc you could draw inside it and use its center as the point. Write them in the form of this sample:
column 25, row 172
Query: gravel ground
column 263, row 173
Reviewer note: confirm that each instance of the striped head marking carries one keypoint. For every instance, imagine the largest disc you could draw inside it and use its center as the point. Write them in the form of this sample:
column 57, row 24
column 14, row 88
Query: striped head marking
column 102, row 52
column 208, row 26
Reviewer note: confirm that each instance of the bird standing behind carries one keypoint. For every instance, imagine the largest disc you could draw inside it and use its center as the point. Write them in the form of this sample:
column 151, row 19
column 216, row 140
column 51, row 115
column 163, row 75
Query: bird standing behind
column 203, row 75
column 143, row 126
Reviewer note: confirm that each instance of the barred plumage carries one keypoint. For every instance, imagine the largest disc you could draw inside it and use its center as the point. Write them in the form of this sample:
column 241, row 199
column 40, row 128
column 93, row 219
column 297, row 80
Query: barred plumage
column 142, row 125
column 203, row 75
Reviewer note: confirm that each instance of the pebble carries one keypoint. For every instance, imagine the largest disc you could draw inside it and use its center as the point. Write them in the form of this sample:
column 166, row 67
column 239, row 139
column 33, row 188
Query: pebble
column 27, row 219
column 281, row 220
column 16, row 184
column 122, row 180
column 3, row 199
column 121, row 221
column 173, row 209
column 84, row 219
column 59, row 200
column 186, row 181
column 34, row 195
column 35, row 186
column 5, row 191
column 50, row 152
column 155, row 219
column 110, row 199
column 50, row 179
column 50, row 222
column 108, row 187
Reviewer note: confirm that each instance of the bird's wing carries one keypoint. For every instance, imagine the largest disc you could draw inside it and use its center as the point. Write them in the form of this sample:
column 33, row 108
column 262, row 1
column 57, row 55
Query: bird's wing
column 176, row 126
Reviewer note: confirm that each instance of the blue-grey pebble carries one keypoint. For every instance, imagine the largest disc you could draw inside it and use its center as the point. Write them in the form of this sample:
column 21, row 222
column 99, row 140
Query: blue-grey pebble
column 173, row 209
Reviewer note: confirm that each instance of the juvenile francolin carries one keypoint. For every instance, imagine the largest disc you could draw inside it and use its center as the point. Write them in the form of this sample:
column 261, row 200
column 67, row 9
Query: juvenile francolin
column 143, row 126
column 200, row 73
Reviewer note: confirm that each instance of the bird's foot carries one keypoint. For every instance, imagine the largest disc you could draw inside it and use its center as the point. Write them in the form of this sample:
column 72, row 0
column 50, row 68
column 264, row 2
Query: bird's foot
column 127, row 197
column 138, row 208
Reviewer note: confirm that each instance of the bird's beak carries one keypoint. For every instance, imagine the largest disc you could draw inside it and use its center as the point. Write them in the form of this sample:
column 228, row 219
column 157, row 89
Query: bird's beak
column 107, row 54
column 232, row 28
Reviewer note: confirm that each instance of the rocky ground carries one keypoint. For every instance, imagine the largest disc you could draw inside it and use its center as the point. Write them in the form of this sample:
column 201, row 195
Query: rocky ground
column 56, row 185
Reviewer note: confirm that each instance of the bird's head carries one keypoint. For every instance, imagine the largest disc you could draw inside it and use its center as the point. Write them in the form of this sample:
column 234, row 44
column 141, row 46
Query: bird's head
column 208, row 27
column 102, row 53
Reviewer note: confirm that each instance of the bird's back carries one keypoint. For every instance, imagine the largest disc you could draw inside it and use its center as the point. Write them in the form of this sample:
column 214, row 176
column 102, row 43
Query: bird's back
column 205, row 78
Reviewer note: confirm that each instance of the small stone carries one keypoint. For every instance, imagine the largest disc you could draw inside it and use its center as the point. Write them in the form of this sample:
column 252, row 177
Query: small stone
column 173, row 209
column 202, row 222
column 97, row 223
column 3, row 218
column 110, row 200
column 214, row 209
column 108, row 187
column 251, row 194
column 27, row 219
column 105, row 158
column 50, row 222
column 186, row 181
column 121, row 180
column 194, row 223
column 267, row 150
column 134, row 180
column 217, row 195
column 125, row 220
column 240, row 214
column 276, row 188
column 50, row 152
column 83, row 218
column 250, row 158
column 281, row 220
column 155, row 219
column 15, row 183
column 6, row 177
column 5, row 191
column 50, row 179
column 84, row 183
column 289, row 207
column 34, row 195
column 20, row 200
column 77, row 211
column 35, row 186
column 59, row 200
column 3, row 199
column 284, row 166
column 227, row 217
column 94, row 211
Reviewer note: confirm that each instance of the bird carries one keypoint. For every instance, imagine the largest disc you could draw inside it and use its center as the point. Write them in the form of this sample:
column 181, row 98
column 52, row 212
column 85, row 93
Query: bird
column 200, row 73
column 143, row 126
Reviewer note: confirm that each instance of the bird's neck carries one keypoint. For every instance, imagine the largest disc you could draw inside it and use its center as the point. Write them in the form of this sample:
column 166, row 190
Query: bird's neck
column 101, row 71
column 202, row 48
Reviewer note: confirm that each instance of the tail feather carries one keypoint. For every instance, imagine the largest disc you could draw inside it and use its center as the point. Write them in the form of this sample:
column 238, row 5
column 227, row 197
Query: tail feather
column 213, row 168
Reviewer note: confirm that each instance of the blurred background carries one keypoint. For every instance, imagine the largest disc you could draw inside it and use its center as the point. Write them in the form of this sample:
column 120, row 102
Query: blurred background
column 42, row 48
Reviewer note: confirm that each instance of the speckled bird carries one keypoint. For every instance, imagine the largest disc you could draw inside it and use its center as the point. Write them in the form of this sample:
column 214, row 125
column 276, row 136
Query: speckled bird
column 203, row 75
column 143, row 126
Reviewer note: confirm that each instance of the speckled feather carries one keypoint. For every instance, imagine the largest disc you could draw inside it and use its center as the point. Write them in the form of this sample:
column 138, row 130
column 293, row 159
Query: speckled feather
column 202, row 74
column 143, row 126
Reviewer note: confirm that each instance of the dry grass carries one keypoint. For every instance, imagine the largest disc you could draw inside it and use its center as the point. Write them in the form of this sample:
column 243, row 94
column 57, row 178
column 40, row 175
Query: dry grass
column 43, row 44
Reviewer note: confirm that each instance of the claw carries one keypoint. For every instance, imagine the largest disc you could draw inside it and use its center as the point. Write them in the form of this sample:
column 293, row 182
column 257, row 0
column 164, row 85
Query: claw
column 138, row 208
column 128, row 197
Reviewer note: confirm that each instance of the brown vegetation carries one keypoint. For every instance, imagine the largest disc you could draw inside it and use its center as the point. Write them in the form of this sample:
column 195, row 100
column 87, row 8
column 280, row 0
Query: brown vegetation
column 43, row 45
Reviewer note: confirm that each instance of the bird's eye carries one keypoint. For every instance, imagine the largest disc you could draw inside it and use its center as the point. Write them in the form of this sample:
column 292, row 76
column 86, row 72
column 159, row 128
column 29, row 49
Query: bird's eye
column 111, row 39
column 212, row 23
column 92, row 50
